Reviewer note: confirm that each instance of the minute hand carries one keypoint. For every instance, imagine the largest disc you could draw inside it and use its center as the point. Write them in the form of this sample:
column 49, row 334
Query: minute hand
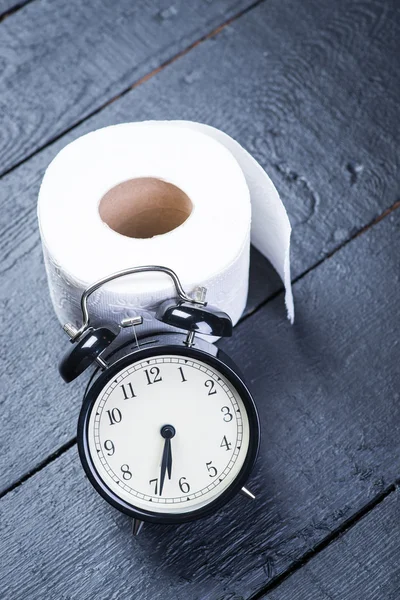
column 165, row 463
column 169, row 460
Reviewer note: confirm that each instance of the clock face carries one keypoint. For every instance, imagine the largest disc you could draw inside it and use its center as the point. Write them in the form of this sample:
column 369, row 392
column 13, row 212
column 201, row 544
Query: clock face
column 167, row 434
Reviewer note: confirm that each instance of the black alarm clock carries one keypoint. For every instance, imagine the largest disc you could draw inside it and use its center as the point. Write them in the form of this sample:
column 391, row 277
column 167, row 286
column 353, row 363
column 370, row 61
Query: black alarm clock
column 168, row 431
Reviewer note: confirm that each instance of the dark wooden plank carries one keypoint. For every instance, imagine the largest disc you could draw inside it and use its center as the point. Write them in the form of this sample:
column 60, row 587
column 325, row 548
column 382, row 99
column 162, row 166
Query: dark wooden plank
column 327, row 391
column 273, row 99
column 63, row 60
column 364, row 563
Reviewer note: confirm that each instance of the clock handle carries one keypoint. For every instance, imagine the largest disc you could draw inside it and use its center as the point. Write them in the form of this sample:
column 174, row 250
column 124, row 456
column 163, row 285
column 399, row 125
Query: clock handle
column 74, row 333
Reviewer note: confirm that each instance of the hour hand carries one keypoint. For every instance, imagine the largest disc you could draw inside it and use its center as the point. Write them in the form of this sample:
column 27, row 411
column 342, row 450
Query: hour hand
column 167, row 432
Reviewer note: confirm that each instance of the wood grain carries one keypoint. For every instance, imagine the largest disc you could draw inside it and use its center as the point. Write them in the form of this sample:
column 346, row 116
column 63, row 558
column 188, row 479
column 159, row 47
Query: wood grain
column 328, row 395
column 61, row 61
column 364, row 563
column 297, row 98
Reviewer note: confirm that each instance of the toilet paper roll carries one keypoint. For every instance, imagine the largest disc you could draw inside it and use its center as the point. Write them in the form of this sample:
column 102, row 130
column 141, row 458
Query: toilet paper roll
column 173, row 193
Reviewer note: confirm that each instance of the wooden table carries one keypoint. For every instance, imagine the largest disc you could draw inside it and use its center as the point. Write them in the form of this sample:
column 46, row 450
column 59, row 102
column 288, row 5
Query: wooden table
column 312, row 90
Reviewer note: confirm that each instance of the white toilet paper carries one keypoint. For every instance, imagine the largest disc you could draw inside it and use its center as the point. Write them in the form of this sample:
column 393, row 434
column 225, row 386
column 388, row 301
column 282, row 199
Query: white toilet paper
column 229, row 192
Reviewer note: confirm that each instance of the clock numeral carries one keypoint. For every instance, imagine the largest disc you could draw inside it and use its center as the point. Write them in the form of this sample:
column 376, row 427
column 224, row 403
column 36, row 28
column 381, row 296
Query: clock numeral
column 109, row 446
column 156, row 486
column 128, row 391
column 183, row 484
column 228, row 416
column 126, row 474
column 182, row 374
column 210, row 384
column 114, row 415
column 211, row 469
column 153, row 375
column 225, row 443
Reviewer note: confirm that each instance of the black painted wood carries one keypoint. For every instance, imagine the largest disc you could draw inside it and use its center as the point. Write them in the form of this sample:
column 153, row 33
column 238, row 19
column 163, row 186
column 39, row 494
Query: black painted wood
column 327, row 390
column 364, row 563
column 63, row 60
column 292, row 119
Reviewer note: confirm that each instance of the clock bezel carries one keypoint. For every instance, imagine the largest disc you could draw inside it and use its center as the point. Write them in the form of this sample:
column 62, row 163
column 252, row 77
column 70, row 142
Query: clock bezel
column 220, row 362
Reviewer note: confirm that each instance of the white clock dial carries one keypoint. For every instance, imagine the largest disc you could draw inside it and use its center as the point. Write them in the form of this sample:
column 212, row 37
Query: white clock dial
column 210, row 434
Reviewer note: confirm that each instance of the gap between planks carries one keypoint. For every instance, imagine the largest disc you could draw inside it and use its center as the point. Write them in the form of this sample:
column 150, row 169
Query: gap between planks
column 134, row 85
column 364, row 229
column 333, row 536
column 10, row 11
column 47, row 461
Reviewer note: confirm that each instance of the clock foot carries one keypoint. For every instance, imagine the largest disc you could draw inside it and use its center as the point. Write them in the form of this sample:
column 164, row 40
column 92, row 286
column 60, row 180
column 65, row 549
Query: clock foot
column 136, row 526
column 245, row 492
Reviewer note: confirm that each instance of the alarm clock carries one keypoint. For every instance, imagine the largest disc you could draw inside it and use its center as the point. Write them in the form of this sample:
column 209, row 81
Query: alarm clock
column 168, row 430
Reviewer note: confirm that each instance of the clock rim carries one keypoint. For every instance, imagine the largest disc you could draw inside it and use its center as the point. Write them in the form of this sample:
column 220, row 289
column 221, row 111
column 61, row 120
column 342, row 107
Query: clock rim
column 136, row 356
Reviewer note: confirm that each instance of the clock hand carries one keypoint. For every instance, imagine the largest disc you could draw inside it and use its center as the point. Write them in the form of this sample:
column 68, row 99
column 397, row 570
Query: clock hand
column 167, row 432
column 166, row 452
column 169, row 460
